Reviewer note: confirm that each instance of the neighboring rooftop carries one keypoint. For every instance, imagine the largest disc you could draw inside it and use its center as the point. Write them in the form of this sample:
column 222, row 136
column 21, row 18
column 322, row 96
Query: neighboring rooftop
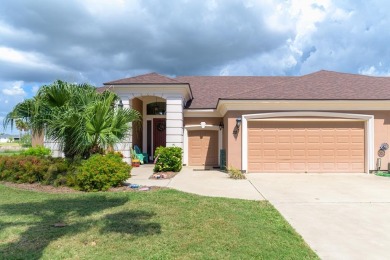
column 8, row 136
column 321, row 85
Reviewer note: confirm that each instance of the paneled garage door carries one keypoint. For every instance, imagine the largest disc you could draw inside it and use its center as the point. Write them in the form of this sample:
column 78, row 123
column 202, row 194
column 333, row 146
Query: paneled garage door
column 299, row 146
column 203, row 148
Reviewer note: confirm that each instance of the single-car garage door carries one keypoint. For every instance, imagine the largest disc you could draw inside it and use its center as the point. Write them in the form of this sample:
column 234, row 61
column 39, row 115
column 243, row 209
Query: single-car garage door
column 305, row 146
column 203, row 148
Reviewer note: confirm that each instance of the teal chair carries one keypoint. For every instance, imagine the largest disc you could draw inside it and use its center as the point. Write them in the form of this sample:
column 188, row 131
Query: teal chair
column 143, row 157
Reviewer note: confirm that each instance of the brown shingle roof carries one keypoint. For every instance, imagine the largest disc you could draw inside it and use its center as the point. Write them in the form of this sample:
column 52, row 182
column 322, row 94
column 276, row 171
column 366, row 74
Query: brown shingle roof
column 151, row 78
column 322, row 85
column 207, row 90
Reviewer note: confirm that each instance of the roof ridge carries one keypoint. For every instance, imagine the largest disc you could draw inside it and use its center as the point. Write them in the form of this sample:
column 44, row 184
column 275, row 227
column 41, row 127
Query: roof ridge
column 142, row 76
column 282, row 79
column 344, row 73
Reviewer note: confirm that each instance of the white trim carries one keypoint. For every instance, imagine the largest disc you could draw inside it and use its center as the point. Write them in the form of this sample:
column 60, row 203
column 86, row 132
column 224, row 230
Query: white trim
column 165, row 91
column 201, row 113
column 199, row 127
column 301, row 105
column 369, row 131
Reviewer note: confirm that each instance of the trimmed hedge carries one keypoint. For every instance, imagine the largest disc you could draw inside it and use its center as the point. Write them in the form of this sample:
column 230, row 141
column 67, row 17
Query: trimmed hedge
column 169, row 159
column 94, row 174
column 31, row 168
column 101, row 172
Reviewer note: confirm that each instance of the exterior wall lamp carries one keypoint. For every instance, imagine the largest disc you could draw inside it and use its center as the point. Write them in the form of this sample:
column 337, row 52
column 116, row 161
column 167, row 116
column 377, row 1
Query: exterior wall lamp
column 237, row 127
column 238, row 122
column 221, row 125
column 120, row 105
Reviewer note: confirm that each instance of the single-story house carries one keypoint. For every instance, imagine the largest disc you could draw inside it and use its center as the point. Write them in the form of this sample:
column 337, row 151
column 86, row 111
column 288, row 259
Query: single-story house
column 321, row 122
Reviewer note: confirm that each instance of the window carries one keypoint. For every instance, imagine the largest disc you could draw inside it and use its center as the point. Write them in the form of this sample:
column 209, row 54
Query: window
column 156, row 108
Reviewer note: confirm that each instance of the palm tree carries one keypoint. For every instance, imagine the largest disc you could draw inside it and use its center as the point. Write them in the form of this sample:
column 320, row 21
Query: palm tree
column 22, row 126
column 80, row 119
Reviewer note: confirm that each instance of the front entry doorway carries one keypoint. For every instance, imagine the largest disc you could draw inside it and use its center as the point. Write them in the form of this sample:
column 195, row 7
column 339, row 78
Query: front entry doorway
column 159, row 133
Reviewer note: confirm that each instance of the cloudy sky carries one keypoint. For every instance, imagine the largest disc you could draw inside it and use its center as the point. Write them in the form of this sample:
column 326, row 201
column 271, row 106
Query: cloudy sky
column 96, row 41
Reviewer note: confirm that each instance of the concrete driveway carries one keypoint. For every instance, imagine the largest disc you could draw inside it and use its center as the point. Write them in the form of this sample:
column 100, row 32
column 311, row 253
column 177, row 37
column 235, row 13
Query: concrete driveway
column 341, row 216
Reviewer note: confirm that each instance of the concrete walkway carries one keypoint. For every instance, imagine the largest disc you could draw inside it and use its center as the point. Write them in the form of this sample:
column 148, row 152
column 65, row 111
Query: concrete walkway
column 212, row 183
column 341, row 216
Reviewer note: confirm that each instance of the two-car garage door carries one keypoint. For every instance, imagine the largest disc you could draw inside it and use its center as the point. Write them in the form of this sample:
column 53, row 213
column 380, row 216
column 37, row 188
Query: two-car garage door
column 306, row 146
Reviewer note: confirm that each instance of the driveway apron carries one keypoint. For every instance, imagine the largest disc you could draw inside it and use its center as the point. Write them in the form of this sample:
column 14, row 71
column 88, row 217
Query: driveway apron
column 341, row 216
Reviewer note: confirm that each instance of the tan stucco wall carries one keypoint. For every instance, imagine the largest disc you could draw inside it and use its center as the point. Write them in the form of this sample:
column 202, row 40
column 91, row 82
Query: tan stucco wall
column 232, row 143
column 198, row 120
column 137, row 126
column 382, row 135
column 215, row 121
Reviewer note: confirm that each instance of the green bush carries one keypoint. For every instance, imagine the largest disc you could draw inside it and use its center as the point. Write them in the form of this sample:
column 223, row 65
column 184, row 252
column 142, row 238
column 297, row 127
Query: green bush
column 100, row 173
column 37, row 151
column 235, row 173
column 30, row 169
column 169, row 159
column 26, row 140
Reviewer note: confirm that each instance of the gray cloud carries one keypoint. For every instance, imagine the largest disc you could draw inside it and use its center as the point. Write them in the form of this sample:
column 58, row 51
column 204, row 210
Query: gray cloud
column 173, row 37
column 97, row 41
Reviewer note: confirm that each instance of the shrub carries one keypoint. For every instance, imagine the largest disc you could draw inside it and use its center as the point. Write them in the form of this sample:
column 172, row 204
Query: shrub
column 26, row 141
column 37, row 151
column 100, row 173
column 168, row 159
column 30, row 169
column 116, row 153
column 235, row 173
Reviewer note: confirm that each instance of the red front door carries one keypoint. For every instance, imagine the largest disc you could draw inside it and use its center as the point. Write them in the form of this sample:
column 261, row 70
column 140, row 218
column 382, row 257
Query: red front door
column 159, row 133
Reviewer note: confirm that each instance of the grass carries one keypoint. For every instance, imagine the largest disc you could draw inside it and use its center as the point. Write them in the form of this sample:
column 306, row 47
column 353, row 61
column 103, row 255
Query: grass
column 383, row 173
column 11, row 151
column 10, row 144
column 162, row 224
column 8, row 152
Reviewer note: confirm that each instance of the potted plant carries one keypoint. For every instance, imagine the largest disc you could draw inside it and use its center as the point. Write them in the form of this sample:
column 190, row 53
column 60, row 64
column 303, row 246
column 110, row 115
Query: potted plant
column 135, row 162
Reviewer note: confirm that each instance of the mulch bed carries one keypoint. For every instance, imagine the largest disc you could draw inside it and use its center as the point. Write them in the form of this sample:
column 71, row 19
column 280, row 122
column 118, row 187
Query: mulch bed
column 63, row 189
column 39, row 187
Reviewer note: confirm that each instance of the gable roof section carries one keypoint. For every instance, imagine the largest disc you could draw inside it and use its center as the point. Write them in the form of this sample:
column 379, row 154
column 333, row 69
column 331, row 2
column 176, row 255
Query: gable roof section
column 151, row 78
column 322, row 85
column 207, row 90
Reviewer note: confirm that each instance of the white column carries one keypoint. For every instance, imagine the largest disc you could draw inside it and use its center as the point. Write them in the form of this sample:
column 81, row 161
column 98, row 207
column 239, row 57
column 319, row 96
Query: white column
column 126, row 144
column 174, row 124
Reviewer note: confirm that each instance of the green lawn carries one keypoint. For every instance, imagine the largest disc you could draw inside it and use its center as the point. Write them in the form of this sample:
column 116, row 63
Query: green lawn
column 5, row 151
column 8, row 153
column 162, row 224
column 10, row 144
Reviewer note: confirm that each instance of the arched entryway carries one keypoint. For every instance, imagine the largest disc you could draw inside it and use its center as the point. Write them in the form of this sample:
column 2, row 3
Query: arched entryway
column 150, row 133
